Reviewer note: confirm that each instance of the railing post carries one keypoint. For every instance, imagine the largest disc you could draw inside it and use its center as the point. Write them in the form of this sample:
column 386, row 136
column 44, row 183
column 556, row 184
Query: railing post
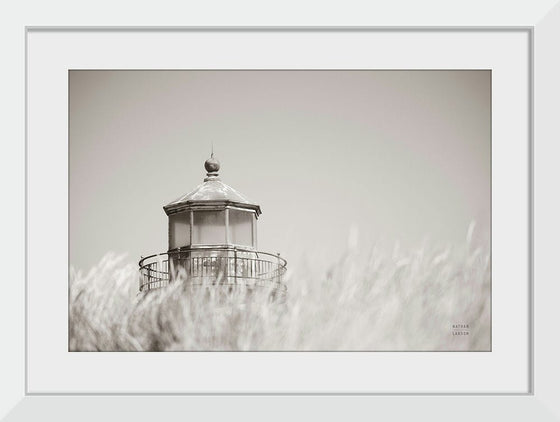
column 277, row 265
column 235, row 264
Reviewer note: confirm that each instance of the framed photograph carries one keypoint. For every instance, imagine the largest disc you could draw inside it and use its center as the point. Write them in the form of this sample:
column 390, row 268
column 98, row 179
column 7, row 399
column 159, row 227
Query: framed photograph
column 285, row 211
column 383, row 220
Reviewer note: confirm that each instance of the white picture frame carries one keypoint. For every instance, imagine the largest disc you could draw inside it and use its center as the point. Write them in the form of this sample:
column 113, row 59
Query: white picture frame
column 536, row 403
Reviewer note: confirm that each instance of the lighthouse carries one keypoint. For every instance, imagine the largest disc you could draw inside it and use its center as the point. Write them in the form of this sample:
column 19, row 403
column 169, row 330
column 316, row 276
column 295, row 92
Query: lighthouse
column 212, row 241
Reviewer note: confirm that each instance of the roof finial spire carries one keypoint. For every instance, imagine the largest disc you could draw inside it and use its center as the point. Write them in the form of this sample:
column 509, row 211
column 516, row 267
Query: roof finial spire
column 212, row 167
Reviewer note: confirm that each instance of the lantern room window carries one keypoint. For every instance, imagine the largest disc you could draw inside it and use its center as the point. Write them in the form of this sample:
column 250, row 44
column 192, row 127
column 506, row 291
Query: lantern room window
column 179, row 230
column 241, row 227
column 209, row 228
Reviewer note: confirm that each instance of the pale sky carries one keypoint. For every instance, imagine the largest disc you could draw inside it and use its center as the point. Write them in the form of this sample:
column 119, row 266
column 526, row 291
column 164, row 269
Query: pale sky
column 398, row 155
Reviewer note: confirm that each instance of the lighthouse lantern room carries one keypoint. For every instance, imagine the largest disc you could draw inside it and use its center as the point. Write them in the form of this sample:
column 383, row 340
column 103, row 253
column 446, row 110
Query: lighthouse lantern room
column 212, row 239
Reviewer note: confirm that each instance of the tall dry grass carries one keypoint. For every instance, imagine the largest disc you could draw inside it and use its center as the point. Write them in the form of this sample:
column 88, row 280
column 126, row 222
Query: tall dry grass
column 372, row 299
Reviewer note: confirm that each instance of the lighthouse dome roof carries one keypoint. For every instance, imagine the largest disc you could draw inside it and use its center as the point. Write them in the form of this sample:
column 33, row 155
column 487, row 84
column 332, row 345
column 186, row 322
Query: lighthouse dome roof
column 212, row 193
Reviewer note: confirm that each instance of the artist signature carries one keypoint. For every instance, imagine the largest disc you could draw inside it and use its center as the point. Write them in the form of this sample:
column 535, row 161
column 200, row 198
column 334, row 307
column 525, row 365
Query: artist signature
column 460, row 329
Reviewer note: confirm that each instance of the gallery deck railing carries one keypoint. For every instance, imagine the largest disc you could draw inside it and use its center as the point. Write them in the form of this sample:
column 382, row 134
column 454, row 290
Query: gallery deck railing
column 228, row 267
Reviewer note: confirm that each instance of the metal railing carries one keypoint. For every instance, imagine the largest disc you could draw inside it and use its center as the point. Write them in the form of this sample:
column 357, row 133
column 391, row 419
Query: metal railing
column 229, row 266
